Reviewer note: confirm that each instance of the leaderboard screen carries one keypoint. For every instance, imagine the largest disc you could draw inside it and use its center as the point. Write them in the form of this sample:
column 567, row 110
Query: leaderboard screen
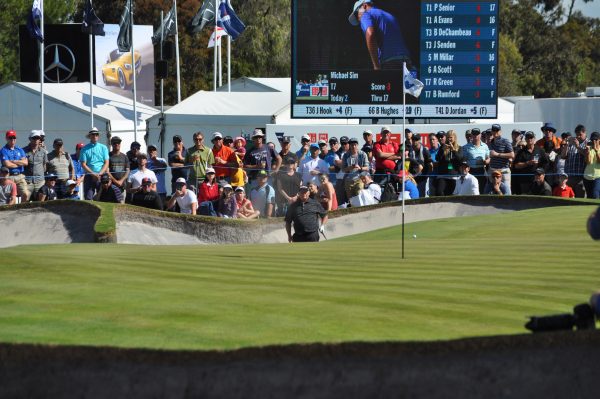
column 348, row 58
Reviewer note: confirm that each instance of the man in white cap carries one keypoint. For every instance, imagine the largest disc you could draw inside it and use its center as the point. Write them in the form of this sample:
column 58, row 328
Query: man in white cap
column 94, row 161
column 186, row 199
column 383, row 36
column 37, row 159
column 261, row 157
column 304, row 151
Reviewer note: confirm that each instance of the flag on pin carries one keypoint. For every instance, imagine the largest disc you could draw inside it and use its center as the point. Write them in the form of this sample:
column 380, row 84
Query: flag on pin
column 412, row 85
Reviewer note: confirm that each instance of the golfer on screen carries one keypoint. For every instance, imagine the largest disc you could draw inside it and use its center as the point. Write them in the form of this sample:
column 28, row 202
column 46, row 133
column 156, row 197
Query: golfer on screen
column 382, row 34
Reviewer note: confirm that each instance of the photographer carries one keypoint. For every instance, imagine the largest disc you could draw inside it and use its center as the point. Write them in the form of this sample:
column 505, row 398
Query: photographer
column 449, row 158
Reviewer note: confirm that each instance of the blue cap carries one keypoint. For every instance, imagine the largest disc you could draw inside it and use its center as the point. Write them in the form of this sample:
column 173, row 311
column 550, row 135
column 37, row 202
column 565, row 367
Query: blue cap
column 549, row 126
column 314, row 146
column 496, row 127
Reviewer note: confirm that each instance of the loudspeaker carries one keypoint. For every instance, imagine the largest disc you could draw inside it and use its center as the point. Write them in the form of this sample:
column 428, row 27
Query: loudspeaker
column 168, row 50
column 162, row 69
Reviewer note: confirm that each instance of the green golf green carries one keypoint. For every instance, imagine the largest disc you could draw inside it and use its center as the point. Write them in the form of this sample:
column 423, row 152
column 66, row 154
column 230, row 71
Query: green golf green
column 462, row 277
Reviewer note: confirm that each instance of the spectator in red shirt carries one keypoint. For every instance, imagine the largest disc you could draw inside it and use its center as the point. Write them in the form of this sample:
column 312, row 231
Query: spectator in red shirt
column 386, row 153
column 209, row 189
column 563, row 190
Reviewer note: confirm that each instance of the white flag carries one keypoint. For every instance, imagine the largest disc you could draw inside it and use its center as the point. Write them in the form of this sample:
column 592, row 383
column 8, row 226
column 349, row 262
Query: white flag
column 220, row 33
column 412, row 85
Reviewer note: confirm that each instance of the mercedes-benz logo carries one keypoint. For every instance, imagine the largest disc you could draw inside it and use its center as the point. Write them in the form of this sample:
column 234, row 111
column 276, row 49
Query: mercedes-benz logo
column 62, row 66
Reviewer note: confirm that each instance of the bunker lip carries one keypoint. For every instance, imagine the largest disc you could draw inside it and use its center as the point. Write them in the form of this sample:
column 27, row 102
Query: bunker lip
column 67, row 221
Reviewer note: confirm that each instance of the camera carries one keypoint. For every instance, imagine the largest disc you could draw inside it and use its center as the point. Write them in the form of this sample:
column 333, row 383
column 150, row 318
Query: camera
column 582, row 318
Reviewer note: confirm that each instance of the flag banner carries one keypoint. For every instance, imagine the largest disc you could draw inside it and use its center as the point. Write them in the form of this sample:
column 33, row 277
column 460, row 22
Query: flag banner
column 226, row 18
column 220, row 33
column 91, row 22
column 169, row 25
column 412, row 85
column 205, row 16
column 124, row 37
column 32, row 22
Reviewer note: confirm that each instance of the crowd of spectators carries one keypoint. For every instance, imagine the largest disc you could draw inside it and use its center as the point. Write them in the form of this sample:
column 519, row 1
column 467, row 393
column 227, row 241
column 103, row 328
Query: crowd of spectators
column 233, row 179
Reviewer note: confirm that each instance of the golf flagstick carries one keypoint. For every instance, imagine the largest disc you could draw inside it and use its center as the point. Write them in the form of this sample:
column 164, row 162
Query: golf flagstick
column 403, row 148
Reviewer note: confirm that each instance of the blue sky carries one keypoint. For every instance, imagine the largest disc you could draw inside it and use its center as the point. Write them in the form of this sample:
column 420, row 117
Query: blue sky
column 591, row 9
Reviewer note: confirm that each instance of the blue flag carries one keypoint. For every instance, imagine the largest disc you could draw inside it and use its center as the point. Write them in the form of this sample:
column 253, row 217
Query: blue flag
column 91, row 22
column 412, row 85
column 32, row 22
column 228, row 20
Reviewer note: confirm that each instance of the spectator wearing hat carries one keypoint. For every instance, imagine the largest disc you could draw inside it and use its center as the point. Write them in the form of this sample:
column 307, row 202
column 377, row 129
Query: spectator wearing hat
column 109, row 192
column 422, row 157
column 386, row 153
column 8, row 188
column 176, row 159
column 353, row 162
column 60, row 164
column 539, row 186
column 591, row 173
column 495, row 186
column 469, row 136
column 285, row 152
column 517, row 138
column 287, row 183
column 260, row 157
column 526, row 162
column 307, row 216
column 263, row 196
column 449, row 158
column 466, row 184
column 185, row 199
column 326, row 193
column 209, row 189
column 575, row 155
column 94, row 161
column 37, row 160
column 332, row 158
column 134, row 183
column 501, row 154
column 14, row 158
column 344, row 146
column 147, row 197
column 79, row 171
column 134, row 150
column 159, row 166
column 313, row 166
column 199, row 158
column 71, row 192
column 48, row 190
column 244, row 205
column 441, row 136
column 549, row 132
column 304, row 151
column 368, row 138
column 227, row 207
column 225, row 159
column 477, row 155
column 239, row 146
column 563, row 189
column 118, row 164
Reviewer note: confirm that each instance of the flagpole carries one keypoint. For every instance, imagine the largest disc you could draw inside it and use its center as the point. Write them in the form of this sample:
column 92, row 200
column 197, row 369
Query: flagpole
column 41, row 62
column 215, row 53
column 162, row 80
column 91, row 80
column 219, row 41
column 403, row 151
column 228, row 63
column 177, row 54
column 133, row 66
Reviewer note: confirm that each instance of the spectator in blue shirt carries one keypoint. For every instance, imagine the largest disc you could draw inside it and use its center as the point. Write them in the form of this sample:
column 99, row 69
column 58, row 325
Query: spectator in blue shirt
column 94, row 160
column 15, row 159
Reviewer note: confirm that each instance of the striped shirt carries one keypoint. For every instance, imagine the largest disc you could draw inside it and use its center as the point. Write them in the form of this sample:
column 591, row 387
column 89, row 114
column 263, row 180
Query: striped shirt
column 501, row 146
column 575, row 162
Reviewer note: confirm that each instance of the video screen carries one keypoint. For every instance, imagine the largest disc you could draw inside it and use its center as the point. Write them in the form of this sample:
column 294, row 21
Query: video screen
column 348, row 58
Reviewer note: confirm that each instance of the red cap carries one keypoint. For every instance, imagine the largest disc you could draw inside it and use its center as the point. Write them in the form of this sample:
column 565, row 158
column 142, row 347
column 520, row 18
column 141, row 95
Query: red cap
column 11, row 133
column 79, row 146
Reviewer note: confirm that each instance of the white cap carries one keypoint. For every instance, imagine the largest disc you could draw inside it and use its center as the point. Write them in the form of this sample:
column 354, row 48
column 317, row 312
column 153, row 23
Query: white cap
column 240, row 188
column 181, row 180
column 385, row 129
column 352, row 18
column 93, row 130
column 227, row 186
column 71, row 182
column 258, row 133
column 217, row 135
column 210, row 170
column 306, row 137
column 368, row 132
column 38, row 133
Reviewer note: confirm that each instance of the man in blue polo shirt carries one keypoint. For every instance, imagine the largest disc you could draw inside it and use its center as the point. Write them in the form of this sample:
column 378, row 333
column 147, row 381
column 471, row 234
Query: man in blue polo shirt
column 383, row 36
column 15, row 160
column 94, row 160
column 501, row 154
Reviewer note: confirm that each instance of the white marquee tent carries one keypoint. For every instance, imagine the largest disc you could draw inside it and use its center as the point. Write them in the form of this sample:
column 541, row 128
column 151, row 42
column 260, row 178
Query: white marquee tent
column 66, row 113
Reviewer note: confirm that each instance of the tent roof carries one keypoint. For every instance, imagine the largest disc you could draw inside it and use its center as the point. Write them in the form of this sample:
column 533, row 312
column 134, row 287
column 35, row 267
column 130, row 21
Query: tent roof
column 211, row 103
column 259, row 85
column 107, row 105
